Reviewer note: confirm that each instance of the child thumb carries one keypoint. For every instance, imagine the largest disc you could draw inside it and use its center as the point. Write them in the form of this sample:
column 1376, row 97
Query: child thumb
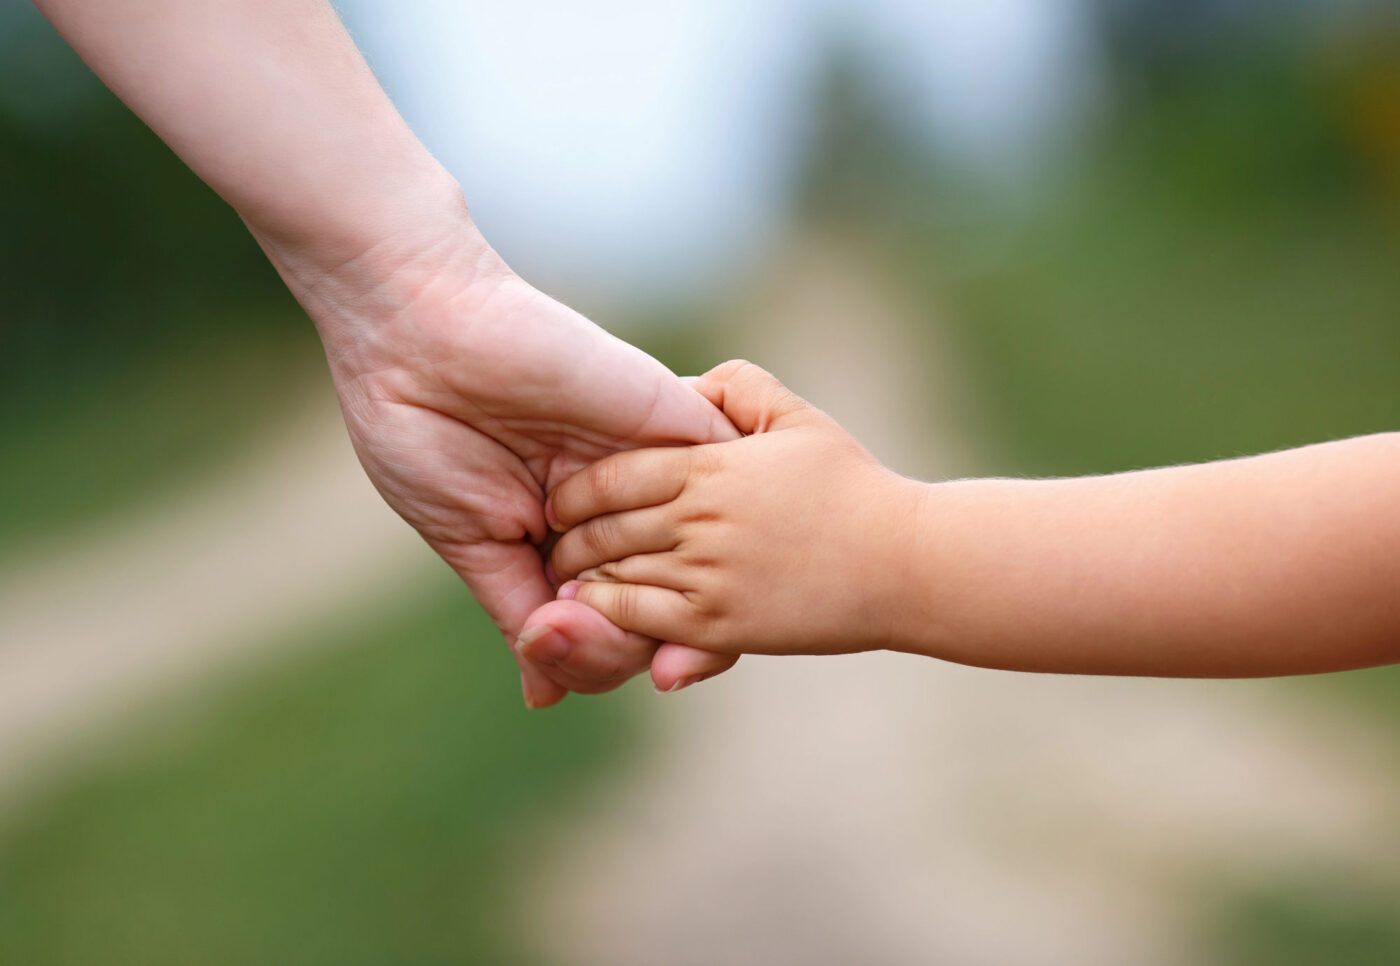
column 753, row 399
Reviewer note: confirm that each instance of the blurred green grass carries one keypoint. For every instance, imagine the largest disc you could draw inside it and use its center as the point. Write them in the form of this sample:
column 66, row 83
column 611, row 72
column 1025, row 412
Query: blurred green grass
column 139, row 435
column 1323, row 920
column 370, row 799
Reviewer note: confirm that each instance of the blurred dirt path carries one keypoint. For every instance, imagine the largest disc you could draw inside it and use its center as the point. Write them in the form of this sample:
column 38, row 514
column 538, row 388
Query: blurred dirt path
column 889, row 810
column 89, row 630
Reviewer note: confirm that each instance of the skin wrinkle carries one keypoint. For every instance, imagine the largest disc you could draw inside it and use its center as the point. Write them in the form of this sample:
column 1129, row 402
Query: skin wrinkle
column 505, row 602
column 464, row 319
column 516, row 468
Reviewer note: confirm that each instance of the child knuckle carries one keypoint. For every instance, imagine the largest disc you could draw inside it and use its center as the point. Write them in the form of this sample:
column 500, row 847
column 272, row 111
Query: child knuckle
column 729, row 367
column 606, row 480
column 624, row 605
column 686, row 623
column 599, row 535
column 728, row 630
column 700, row 515
column 704, row 461
column 706, row 631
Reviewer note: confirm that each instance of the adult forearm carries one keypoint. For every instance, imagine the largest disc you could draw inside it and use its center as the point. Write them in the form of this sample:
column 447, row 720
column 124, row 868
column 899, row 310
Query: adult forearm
column 270, row 102
column 1280, row 564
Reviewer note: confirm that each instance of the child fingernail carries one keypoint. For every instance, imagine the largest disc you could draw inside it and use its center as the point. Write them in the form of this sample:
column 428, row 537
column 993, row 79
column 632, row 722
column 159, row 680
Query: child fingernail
column 550, row 574
column 569, row 591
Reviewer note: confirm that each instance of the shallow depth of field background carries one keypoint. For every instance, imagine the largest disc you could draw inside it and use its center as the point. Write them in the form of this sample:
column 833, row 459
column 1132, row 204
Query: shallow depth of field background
column 246, row 720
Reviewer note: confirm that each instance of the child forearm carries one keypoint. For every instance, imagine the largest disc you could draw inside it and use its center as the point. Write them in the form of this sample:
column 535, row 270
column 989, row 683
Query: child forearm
column 1280, row 564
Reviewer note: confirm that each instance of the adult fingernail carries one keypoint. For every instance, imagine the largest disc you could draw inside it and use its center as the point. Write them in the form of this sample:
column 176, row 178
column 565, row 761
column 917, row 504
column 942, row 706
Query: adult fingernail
column 525, row 691
column 549, row 516
column 569, row 591
column 529, row 636
column 541, row 645
column 683, row 683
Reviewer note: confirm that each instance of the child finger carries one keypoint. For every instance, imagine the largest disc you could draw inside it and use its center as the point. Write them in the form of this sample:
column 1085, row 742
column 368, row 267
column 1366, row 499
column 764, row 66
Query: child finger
column 753, row 399
column 623, row 481
column 654, row 569
column 612, row 537
column 654, row 611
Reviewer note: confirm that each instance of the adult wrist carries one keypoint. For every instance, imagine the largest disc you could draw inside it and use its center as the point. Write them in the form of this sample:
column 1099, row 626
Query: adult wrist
column 361, row 275
column 400, row 224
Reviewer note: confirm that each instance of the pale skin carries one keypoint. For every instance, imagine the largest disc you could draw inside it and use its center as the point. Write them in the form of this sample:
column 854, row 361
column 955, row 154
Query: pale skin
column 795, row 540
column 467, row 393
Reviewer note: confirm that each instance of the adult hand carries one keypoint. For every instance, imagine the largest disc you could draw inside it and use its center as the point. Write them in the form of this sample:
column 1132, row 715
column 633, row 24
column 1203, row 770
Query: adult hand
column 469, row 395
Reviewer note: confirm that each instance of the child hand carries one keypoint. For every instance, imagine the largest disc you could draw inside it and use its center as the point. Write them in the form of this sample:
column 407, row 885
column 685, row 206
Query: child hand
column 787, row 541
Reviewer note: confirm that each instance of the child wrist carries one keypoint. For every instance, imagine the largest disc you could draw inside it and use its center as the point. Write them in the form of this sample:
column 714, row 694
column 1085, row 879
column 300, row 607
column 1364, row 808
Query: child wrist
column 896, row 621
column 929, row 562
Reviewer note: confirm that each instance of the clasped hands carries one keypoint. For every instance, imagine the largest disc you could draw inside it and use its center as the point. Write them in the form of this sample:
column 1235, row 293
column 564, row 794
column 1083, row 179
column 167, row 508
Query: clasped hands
column 470, row 397
column 612, row 518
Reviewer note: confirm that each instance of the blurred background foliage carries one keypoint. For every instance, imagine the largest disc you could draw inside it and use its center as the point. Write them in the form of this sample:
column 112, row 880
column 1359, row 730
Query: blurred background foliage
column 145, row 333
column 1206, row 267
